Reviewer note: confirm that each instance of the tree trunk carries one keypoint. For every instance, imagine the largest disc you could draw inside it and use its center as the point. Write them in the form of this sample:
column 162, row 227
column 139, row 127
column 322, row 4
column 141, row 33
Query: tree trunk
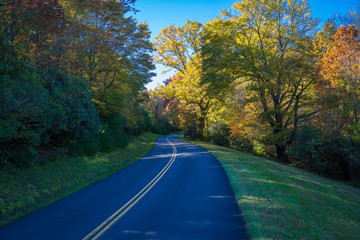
column 281, row 154
column 201, row 128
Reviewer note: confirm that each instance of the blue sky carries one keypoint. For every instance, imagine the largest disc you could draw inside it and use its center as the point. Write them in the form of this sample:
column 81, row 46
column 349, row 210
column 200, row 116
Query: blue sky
column 162, row 13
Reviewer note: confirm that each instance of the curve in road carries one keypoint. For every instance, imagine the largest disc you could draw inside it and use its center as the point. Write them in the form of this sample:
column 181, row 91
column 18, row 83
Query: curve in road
column 177, row 191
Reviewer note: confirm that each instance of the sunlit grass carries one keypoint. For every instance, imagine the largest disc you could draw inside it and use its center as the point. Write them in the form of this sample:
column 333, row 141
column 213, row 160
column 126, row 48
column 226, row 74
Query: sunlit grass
column 281, row 202
column 23, row 191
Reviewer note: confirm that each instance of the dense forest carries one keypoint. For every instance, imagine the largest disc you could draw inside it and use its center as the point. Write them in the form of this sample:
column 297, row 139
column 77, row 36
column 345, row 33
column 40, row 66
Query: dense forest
column 72, row 75
column 264, row 77
column 267, row 78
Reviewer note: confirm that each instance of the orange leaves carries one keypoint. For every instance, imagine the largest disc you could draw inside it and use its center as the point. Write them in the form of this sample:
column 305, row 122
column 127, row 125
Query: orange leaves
column 346, row 34
column 341, row 64
column 340, row 69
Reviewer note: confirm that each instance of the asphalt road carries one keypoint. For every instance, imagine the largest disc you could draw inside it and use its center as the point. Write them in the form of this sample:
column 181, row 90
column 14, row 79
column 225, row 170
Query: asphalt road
column 177, row 191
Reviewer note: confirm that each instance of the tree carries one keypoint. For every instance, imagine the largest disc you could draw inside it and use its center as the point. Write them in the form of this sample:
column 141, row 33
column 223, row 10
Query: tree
column 58, row 58
column 179, row 48
column 185, row 87
column 112, row 51
column 176, row 46
column 33, row 29
column 164, row 116
column 341, row 68
column 267, row 47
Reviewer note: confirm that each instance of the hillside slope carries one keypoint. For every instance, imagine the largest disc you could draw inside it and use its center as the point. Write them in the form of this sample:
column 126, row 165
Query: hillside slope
column 282, row 202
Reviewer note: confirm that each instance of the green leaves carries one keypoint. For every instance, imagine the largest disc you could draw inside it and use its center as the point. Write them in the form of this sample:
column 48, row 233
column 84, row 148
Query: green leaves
column 113, row 51
column 65, row 63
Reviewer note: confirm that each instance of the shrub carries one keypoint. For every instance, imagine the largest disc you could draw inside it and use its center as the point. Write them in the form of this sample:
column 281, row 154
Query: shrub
column 91, row 145
column 24, row 157
column 88, row 145
column 240, row 139
column 354, row 168
column 107, row 142
column 41, row 106
column 219, row 133
column 332, row 158
column 23, row 104
column 240, row 142
column 191, row 132
column 72, row 112
column 140, row 122
column 259, row 148
column 337, row 157
column 115, row 128
column 54, row 156
column 302, row 151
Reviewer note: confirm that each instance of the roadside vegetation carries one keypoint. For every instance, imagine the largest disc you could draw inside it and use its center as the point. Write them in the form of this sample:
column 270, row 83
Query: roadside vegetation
column 72, row 79
column 266, row 77
column 263, row 78
column 25, row 190
column 72, row 97
column 73, row 104
column 282, row 202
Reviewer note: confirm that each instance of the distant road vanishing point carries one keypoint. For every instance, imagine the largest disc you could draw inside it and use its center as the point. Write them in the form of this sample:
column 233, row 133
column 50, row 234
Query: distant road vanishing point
column 177, row 191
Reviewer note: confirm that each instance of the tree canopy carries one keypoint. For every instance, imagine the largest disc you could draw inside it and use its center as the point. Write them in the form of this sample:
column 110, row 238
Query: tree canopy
column 263, row 77
column 266, row 46
column 71, row 72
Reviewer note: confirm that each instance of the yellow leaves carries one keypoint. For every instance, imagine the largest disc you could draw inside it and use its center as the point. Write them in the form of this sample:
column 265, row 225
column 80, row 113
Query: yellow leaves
column 170, row 50
column 175, row 46
column 165, row 92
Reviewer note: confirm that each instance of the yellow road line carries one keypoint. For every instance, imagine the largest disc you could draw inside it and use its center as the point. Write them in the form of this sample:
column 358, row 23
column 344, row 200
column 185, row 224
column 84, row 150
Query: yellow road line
column 104, row 226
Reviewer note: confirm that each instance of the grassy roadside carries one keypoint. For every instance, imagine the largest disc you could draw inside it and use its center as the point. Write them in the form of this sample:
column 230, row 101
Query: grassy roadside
column 281, row 202
column 24, row 191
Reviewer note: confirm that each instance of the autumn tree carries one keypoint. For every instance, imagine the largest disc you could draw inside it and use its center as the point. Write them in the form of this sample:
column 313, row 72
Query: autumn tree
column 192, row 97
column 340, row 67
column 267, row 47
column 32, row 29
column 334, row 106
column 163, row 112
column 176, row 46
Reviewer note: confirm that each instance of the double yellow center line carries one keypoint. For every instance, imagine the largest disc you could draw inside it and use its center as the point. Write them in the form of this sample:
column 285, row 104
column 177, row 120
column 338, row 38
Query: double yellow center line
column 103, row 227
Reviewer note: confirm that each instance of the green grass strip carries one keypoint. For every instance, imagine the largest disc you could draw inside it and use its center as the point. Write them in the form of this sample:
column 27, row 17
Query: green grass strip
column 24, row 191
column 282, row 202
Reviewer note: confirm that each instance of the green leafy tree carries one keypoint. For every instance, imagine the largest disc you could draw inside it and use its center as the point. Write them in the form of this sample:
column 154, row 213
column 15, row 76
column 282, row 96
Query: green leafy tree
column 112, row 51
column 58, row 58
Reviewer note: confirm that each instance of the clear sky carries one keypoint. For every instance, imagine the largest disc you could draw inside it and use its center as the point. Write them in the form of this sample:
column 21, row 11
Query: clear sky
column 162, row 13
